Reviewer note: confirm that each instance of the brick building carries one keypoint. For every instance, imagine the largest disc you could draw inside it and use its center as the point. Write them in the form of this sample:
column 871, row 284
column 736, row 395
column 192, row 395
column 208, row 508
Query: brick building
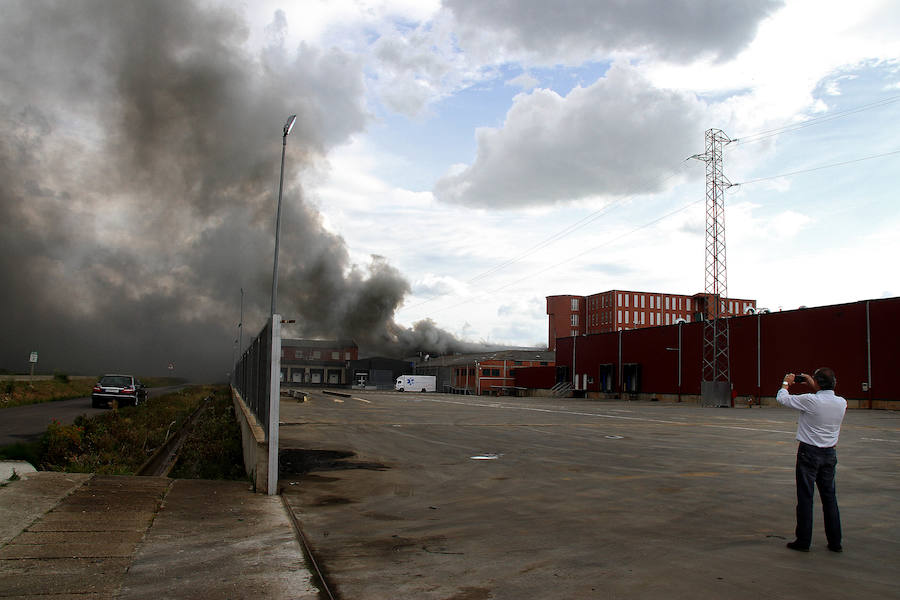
column 317, row 361
column 620, row 310
column 482, row 373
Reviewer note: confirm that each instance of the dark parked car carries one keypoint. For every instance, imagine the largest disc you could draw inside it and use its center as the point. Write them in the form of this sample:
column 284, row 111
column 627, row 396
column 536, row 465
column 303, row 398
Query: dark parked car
column 124, row 389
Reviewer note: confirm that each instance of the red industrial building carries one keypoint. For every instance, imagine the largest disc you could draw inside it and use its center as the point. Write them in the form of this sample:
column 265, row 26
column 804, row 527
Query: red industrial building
column 620, row 310
column 860, row 341
column 493, row 372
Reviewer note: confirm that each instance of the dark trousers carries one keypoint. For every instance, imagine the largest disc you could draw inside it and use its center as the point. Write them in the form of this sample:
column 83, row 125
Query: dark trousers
column 815, row 468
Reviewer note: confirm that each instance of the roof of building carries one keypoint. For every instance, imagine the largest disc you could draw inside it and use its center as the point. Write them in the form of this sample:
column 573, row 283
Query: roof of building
column 466, row 359
column 317, row 343
column 651, row 293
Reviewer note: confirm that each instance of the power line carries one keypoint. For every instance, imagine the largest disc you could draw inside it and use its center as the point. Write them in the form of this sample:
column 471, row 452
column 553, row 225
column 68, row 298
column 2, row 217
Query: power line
column 641, row 227
column 580, row 224
column 840, row 164
column 762, row 135
column 569, row 259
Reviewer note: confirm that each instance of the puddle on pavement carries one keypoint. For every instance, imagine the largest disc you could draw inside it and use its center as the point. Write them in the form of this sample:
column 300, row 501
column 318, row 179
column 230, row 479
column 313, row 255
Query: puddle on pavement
column 299, row 461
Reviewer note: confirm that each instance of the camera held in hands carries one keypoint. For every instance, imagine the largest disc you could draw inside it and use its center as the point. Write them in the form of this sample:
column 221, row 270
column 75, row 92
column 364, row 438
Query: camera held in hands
column 799, row 377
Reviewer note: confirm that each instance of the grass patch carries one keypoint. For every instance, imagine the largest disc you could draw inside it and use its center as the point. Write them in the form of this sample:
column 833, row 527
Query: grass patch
column 120, row 441
column 62, row 387
column 213, row 450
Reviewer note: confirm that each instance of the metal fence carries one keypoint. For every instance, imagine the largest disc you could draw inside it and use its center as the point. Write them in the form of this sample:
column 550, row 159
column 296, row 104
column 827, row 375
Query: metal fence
column 257, row 378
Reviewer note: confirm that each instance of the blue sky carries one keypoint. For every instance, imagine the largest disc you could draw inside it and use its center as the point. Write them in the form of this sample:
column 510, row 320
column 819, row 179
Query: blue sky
column 643, row 113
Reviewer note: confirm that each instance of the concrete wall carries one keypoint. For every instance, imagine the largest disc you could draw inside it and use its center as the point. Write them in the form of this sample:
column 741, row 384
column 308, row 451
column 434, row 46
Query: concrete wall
column 254, row 445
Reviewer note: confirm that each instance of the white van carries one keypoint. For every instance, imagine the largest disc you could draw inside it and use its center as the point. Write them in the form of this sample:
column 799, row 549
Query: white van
column 415, row 383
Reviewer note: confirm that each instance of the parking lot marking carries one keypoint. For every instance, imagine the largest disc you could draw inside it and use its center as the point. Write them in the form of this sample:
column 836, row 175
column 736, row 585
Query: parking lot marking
column 605, row 416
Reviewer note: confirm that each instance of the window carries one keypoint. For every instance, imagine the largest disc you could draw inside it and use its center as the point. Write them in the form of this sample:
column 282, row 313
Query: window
column 335, row 356
column 574, row 320
column 643, row 319
column 627, row 296
column 636, row 321
column 668, row 319
column 346, row 356
column 687, row 319
column 298, row 353
column 620, row 299
column 626, row 316
column 667, row 304
column 687, row 303
column 619, row 320
column 635, row 301
column 316, row 354
column 643, row 301
column 574, row 303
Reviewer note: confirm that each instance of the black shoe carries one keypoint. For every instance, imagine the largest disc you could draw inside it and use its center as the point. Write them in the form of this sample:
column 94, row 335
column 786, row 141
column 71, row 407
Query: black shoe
column 795, row 545
column 835, row 547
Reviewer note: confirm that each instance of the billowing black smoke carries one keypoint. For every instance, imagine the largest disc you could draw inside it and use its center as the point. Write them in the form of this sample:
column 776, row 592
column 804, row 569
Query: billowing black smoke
column 139, row 155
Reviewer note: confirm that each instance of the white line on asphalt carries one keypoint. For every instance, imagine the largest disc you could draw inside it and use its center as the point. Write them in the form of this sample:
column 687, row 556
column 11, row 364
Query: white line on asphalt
column 363, row 400
column 881, row 440
column 604, row 416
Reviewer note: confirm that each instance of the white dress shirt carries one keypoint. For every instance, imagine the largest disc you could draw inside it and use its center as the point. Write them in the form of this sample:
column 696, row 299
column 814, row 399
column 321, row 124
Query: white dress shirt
column 820, row 418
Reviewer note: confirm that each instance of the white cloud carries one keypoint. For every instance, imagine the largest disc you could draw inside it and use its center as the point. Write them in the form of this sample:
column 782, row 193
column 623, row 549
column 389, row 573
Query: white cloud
column 573, row 31
column 619, row 136
column 525, row 81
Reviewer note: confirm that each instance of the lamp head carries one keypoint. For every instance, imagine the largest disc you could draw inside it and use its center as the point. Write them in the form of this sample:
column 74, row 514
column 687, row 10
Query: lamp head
column 289, row 124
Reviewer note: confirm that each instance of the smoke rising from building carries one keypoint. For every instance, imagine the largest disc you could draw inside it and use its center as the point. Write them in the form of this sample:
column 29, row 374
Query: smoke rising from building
column 139, row 155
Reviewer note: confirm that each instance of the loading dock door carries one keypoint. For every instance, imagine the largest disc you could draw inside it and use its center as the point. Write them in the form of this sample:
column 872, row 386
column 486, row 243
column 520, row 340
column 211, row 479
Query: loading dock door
column 631, row 377
column 606, row 377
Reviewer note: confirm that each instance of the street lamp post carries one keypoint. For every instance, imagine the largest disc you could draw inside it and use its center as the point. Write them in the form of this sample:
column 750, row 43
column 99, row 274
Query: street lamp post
column 289, row 124
column 678, row 349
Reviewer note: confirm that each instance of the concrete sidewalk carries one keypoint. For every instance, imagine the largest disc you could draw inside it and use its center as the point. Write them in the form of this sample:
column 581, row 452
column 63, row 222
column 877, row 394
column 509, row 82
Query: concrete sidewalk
column 72, row 535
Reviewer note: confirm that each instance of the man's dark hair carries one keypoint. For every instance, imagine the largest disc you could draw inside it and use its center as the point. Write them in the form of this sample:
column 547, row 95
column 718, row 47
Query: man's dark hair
column 825, row 378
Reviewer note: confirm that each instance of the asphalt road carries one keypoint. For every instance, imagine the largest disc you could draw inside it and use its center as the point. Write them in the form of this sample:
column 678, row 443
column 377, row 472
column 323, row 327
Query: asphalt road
column 434, row 496
column 24, row 423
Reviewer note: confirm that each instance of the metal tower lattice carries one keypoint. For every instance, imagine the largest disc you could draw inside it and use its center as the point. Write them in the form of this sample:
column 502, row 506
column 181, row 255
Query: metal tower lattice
column 716, row 363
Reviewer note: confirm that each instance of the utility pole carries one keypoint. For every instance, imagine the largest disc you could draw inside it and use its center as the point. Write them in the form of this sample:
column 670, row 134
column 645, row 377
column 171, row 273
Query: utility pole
column 715, row 388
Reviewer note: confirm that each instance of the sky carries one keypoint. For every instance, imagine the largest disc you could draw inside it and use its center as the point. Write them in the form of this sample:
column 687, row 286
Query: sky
column 453, row 163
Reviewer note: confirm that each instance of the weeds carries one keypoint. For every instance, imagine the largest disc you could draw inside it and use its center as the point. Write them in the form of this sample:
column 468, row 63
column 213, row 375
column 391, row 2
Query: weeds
column 213, row 450
column 61, row 387
column 120, row 441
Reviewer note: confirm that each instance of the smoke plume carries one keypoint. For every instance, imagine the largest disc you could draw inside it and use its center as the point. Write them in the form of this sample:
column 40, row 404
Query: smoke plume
column 139, row 153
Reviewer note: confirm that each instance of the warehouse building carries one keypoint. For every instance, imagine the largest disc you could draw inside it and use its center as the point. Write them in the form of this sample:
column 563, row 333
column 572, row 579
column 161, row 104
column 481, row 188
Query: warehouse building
column 485, row 373
column 317, row 362
column 621, row 310
column 860, row 341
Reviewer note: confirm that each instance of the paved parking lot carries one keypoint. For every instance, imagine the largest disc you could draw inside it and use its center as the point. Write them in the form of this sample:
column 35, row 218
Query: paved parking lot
column 440, row 496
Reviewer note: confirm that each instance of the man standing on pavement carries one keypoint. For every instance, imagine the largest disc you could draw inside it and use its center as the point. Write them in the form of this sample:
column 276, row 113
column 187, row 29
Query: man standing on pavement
column 818, row 428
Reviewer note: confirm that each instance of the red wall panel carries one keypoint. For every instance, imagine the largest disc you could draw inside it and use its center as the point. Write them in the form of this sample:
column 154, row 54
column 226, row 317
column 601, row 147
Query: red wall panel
column 762, row 348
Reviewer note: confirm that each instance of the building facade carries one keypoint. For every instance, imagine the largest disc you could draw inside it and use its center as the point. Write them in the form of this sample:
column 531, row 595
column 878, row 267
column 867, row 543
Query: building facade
column 860, row 341
column 317, row 362
column 482, row 373
column 621, row 310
